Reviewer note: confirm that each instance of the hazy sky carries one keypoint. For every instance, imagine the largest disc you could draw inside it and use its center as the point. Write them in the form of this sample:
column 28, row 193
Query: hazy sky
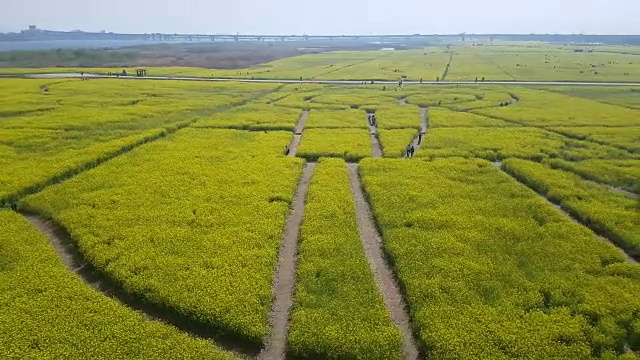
column 326, row 16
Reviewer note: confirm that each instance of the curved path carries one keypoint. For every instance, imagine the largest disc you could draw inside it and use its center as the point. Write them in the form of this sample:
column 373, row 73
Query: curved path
column 327, row 82
column 75, row 262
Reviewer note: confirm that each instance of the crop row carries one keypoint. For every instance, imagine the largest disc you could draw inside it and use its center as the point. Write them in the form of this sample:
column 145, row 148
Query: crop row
column 624, row 174
column 93, row 120
column 254, row 117
column 504, row 275
column 502, row 142
column 606, row 211
column 349, row 144
column 191, row 223
column 547, row 109
column 48, row 313
column 338, row 312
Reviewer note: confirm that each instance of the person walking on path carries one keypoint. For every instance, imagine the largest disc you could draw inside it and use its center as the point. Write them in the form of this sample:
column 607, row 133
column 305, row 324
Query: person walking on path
column 412, row 150
column 419, row 138
column 14, row 207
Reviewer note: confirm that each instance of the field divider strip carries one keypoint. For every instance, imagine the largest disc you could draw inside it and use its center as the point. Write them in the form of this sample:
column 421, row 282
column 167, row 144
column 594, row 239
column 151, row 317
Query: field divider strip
column 447, row 67
column 325, row 82
column 297, row 134
column 521, row 124
column 384, row 277
column 285, row 277
column 66, row 249
column 576, row 219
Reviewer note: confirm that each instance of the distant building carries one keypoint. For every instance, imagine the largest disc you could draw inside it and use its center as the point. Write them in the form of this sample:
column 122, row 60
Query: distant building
column 33, row 28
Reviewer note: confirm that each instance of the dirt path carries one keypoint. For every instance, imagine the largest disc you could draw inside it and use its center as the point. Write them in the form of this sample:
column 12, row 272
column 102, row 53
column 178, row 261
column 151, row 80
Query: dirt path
column 424, row 126
column 384, row 277
column 61, row 241
column 375, row 141
column 446, row 69
column 402, row 101
column 630, row 258
column 327, row 82
column 297, row 134
column 284, row 281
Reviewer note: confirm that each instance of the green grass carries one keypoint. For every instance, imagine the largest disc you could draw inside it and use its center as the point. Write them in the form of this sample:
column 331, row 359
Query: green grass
column 445, row 118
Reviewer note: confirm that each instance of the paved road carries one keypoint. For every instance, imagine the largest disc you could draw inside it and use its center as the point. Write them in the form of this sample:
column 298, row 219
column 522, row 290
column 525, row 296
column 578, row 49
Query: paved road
column 326, row 82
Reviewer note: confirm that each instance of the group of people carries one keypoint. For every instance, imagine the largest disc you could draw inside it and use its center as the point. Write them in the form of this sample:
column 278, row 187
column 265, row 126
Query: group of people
column 372, row 120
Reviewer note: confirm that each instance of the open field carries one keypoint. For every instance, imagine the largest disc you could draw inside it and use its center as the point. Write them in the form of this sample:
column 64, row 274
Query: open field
column 538, row 62
column 221, row 220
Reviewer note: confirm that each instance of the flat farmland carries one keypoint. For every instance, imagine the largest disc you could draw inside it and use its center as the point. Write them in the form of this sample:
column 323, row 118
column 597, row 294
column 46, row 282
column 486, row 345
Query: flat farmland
column 222, row 220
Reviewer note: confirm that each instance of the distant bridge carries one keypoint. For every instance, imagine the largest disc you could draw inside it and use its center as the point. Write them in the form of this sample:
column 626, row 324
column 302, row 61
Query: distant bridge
column 238, row 37
column 46, row 35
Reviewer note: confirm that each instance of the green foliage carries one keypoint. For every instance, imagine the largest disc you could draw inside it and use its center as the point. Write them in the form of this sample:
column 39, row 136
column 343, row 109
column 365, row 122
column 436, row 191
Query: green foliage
column 191, row 223
column 349, row 144
column 546, row 109
column 254, row 117
column 624, row 174
column 302, row 101
column 438, row 98
column 338, row 312
column 607, row 212
column 490, row 270
column 48, row 313
column 627, row 137
column 443, row 117
column 356, row 119
column 503, row 142
column 92, row 120
column 398, row 117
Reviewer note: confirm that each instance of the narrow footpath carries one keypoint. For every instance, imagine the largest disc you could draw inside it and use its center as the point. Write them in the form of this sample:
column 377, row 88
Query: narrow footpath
column 424, row 126
column 297, row 134
column 285, row 278
column 629, row 257
column 375, row 141
column 384, row 277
